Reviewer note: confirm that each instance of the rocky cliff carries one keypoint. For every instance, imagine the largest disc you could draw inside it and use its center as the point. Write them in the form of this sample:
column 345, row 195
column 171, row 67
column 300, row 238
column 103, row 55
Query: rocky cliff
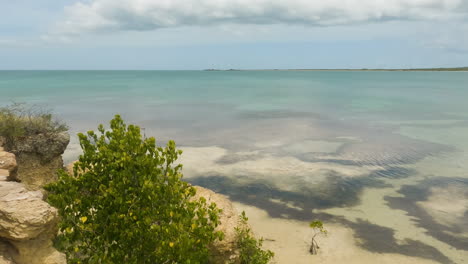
column 27, row 223
column 39, row 157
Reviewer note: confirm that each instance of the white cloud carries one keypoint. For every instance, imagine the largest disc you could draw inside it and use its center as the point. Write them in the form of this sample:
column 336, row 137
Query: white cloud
column 142, row 15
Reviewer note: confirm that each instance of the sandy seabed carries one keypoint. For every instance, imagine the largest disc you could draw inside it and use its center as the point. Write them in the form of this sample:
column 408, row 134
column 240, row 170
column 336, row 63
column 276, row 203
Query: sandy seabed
column 290, row 240
column 412, row 210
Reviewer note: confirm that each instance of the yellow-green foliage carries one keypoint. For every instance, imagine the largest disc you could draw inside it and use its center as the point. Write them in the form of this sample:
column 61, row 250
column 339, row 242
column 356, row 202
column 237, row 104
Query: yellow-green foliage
column 126, row 203
column 20, row 120
column 319, row 229
column 251, row 251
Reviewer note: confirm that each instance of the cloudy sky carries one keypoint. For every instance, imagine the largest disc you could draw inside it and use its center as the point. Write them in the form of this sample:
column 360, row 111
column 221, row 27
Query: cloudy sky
column 247, row 34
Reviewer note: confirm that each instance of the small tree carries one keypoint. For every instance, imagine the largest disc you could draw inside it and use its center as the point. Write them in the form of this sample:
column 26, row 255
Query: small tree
column 318, row 228
column 251, row 251
column 126, row 203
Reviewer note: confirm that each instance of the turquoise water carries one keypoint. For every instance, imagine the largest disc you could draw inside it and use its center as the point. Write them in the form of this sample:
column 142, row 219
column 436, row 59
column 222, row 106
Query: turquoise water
column 395, row 95
column 320, row 141
column 423, row 93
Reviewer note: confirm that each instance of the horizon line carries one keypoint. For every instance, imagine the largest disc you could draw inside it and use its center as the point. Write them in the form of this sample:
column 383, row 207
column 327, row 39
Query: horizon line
column 464, row 68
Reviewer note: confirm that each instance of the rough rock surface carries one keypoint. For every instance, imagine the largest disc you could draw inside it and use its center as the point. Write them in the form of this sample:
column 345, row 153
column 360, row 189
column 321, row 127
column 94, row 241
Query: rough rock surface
column 27, row 224
column 46, row 146
column 39, row 158
column 35, row 175
column 7, row 161
column 4, row 174
column 5, row 260
column 37, row 251
column 7, row 164
column 224, row 251
column 23, row 214
column 5, row 253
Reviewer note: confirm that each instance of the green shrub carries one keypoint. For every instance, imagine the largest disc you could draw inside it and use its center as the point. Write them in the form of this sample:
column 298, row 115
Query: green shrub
column 126, row 203
column 251, row 251
column 20, row 120
column 319, row 229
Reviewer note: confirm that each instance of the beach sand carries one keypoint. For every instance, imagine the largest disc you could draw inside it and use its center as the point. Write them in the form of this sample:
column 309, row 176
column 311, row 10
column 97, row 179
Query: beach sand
column 290, row 240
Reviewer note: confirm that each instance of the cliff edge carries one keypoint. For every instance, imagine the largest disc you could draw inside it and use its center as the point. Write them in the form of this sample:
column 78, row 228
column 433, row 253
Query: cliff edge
column 27, row 223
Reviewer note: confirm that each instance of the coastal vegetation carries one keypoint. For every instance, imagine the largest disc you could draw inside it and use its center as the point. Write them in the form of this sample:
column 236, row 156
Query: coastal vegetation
column 126, row 202
column 251, row 251
column 318, row 229
column 20, row 120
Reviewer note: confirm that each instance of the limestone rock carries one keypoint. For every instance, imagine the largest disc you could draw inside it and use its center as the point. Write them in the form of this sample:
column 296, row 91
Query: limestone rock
column 5, row 253
column 37, row 251
column 27, row 223
column 224, row 251
column 46, row 146
column 4, row 174
column 5, row 260
column 23, row 214
column 7, row 164
column 34, row 174
column 39, row 158
column 7, row 161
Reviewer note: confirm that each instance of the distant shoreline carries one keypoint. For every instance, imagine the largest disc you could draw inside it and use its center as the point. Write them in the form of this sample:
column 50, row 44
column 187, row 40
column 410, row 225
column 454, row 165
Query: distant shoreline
column 460, row 69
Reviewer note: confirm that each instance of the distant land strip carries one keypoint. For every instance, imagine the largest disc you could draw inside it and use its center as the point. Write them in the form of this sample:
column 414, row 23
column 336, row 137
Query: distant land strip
column 363, row 69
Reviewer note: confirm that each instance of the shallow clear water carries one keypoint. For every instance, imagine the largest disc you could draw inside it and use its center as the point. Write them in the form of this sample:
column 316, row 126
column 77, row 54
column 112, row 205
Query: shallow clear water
column 301, row 145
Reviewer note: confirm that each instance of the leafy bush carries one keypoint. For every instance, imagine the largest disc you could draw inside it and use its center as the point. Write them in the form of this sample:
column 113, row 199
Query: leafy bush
column 251, row 251
column 126, row 203
column 20, row 120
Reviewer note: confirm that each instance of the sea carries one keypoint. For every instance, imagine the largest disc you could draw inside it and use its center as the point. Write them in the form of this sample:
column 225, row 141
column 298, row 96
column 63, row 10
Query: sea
column 382, row 153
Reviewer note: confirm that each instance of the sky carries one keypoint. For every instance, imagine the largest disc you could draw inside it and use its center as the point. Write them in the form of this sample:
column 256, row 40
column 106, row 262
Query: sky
column 225, row 34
